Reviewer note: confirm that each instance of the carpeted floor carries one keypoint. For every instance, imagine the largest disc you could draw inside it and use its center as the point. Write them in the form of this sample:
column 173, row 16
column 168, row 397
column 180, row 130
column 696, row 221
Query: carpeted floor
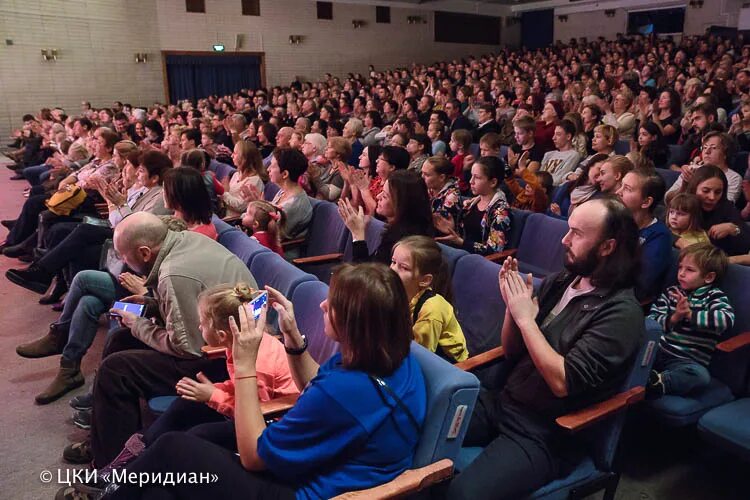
column 32, row 437
column 656, row 463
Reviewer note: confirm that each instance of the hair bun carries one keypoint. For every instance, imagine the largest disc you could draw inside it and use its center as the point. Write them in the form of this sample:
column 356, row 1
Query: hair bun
column 243, row 292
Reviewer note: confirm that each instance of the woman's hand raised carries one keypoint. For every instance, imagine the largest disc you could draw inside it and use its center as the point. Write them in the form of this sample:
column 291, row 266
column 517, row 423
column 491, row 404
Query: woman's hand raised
column 246, row 342
column 354, row 219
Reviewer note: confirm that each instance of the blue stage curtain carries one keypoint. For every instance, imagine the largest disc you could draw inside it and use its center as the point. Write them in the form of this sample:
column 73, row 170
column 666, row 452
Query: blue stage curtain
column 196, row 77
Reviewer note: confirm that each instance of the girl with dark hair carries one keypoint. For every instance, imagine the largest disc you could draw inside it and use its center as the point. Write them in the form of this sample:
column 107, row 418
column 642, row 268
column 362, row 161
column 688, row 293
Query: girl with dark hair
column 651, row 144
column 185, row 193
column 403, row 203
column 668, row 114
column 484, row 223
column 720, row 217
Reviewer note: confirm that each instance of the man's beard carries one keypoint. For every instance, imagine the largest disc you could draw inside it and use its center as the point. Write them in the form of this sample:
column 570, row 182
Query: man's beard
column 583, row 266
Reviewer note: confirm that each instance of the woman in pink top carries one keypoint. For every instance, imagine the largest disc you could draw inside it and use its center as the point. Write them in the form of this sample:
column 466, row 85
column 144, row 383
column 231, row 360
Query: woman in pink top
column 204, row 407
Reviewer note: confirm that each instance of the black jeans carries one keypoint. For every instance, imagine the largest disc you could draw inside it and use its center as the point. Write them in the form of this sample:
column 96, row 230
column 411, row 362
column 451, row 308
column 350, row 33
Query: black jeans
column 512, row 464
column 129, row 372
column 196, row 418
column 68, row 241
column 28, row 219
column 179, row 452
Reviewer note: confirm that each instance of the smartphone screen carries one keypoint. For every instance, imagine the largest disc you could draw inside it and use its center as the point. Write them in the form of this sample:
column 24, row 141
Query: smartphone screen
column 257, row 304
column 131, row 308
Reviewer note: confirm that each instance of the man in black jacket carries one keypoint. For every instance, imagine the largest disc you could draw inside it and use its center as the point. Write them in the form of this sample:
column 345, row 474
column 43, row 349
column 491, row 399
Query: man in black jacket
column 571, row 346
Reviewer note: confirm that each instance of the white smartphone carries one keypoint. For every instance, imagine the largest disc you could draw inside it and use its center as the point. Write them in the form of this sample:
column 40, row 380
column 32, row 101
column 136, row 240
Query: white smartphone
column 256, row 305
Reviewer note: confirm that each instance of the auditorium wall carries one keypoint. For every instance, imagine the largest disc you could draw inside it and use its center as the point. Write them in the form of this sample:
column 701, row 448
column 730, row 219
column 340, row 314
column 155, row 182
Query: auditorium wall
column 97, row 41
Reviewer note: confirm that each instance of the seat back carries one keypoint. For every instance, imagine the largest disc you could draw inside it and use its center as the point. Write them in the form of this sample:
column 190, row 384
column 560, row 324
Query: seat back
column 373, row 235
column 221, row 227
column 517, row 222
column 479, row 307
column 269, row 268
column 451, row 395
column 622, row 147
column 451, row 256
column 739, row 163
column 306, row 300
column 504, row 152
column 668, row 176
column 243, row 246
column 223, row 171
column 540, row 250
column 327, row 232
column 733, row 368
column 474, row 150
column 605, row 436
column 270, row 190
column 678, row 155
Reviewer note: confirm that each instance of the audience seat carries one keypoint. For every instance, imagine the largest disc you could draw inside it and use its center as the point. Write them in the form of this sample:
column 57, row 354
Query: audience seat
column 306, row 300
column 622, row 147
column 739, row 164
column 270, row 269
column 517, row 222
column 600, row 426
column 325, row 242
column 726, row 427
column 373, row 235
column 222, row 170
column 243, row 246
column 729, row 366
column 540, row 249
column 270, row 190
column 668, row 176
column 451, row 396
column 678, row 155
column 451, row 255
column 221, row 227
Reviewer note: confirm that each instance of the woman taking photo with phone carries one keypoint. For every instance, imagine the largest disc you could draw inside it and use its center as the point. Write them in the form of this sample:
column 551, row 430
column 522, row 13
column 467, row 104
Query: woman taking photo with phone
column 355, row 426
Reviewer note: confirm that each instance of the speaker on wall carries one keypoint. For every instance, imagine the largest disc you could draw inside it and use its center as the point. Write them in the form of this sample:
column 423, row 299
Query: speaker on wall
column 238, row 39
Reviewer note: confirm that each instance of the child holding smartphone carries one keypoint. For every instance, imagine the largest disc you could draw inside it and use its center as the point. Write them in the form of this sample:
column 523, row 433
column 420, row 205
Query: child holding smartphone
column 204, row 406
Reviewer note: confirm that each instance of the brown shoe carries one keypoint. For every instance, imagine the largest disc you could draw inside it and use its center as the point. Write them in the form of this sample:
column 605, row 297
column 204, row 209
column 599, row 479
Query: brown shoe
column 68, row 378
column 49, row 345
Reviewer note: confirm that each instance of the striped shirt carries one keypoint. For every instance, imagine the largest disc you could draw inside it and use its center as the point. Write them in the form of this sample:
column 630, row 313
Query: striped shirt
column 695, row 337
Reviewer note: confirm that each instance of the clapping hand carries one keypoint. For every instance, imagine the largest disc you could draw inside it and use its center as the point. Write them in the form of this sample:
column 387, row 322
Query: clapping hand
column 682, row 309
column 250, row 193
column 517, row 294
column 354, row 219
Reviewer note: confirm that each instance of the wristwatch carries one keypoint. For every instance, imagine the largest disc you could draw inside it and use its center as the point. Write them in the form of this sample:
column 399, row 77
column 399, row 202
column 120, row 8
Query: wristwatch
column 737, row 230
column 297, row 352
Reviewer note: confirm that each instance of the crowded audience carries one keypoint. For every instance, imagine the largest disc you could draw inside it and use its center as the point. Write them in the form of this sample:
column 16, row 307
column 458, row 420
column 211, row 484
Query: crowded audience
column 640, row 144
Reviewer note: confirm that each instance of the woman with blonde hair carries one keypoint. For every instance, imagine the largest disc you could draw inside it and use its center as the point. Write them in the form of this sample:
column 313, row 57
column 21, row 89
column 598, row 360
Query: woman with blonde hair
column 250, row 172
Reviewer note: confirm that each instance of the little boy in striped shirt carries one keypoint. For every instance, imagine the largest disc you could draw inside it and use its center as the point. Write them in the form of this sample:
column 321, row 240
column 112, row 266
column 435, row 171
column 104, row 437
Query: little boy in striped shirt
column 694, row 315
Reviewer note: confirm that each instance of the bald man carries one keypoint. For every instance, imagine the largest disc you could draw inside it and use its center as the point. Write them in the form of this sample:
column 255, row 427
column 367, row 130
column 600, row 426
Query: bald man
column 571, row 346
column 147, row 357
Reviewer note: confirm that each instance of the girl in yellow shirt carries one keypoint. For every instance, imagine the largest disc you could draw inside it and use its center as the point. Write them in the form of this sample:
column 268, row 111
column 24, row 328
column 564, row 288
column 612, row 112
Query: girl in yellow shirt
column 420, row 265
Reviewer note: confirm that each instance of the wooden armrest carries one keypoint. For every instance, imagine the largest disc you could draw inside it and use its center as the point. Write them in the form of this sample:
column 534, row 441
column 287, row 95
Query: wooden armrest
column 406, row 483
column 481, row 359
column 734, row 343
column 214, row 352
column 233, row 221
column 291, row 243
column 581, row 419
column 501, row 256
column 277, row 406
column 318, row 259
column 647, row 301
